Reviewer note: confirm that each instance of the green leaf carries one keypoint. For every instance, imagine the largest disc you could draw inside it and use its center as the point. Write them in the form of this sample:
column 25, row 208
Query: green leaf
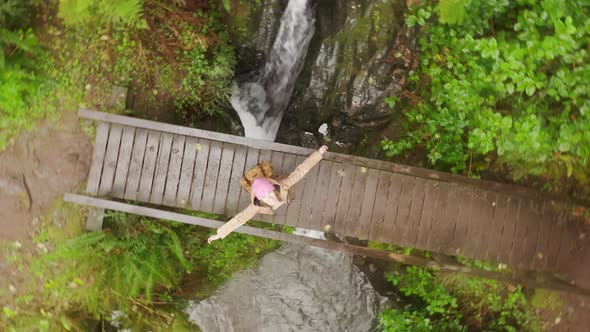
column 227, row 5
column 8, row 312
column 510, row 88
column 451, row 11
column 530, row 90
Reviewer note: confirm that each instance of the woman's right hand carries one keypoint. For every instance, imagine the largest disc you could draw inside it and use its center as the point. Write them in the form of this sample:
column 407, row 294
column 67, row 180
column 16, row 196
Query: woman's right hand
column 323, row 149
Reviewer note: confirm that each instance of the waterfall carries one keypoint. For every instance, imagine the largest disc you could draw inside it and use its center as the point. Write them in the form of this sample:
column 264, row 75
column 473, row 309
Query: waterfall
column 296, row 287
column 261, row 99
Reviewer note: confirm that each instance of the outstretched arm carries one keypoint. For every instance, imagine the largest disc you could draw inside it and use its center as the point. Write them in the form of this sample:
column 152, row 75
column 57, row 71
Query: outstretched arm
column 302, row 169
column 235, row 222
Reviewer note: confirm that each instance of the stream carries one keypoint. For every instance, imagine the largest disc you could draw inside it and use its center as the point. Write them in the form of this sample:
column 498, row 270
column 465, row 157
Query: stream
column 295, row 288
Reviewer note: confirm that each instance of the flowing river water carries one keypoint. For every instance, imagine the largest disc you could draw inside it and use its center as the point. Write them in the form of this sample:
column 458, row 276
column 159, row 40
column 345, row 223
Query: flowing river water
column 295, row 288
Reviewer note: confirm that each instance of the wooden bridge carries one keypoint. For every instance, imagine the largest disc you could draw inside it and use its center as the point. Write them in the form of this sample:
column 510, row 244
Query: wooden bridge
column 162, row 164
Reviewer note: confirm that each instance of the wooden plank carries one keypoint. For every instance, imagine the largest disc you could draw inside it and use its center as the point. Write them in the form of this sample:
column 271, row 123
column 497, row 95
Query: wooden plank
column 532, row 218
column 173, row 177
column 569, row 238
column 368, row 204
column 100, row 147
column 380, row 206
column 311, row 186
column 297, row 189
column 389, row 229
column 227, row 158
column 462, row 241
column 468, row 232
column 500, row 226
column 251, row 161
column 118, row 99
column 136, row 164
column 149, row 166
column 523, row 251
column 529, row 280
column 211, row 177
column 489, row 235
column 320, row 197
column 359, row 161
column 161, row 169
column 543, row 244
column 509, row 229
column 485, row 225
column 443, row 228
column 199, row 173
column 94, row 219
column 418, row 194
column 334, row 193
column 186, row 172
column 347, row 172
column 353, row 224
column 429, row 215
column 555, row 238
column 124, row 160
column 110, row 160
column 233, row 196
column 286, row 169
column 264, row 155
column 519, row 234
column 403, row 213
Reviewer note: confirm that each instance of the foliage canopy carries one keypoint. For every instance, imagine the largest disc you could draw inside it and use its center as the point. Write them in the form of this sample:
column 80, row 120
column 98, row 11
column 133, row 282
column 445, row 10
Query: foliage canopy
column 506, row 86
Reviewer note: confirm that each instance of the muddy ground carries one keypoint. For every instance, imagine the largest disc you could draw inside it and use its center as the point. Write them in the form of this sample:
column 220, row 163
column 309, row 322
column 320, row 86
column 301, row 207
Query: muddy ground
column 36, row 171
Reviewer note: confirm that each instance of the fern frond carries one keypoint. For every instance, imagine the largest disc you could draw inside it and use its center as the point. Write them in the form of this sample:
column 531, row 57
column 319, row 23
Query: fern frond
column 126, row 12
column 76, row 12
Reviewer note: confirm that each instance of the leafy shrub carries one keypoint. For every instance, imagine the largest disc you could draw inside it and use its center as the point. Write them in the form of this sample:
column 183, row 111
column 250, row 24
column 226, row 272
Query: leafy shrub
column 506, row 86
column 456, row 303
column 138, row 266
column 189, row 65
column 79, row 13
column 16, row 14
column 19, row 82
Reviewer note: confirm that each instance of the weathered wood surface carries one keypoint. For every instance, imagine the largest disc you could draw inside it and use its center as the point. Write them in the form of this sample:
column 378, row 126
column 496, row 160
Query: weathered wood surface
column 190, row 168
column 527, row 278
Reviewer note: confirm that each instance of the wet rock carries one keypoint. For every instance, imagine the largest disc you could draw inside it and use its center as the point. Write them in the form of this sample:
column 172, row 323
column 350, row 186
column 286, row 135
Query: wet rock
column 358, row 56
column 10, row 186
column 308, row 140
column 347, row 136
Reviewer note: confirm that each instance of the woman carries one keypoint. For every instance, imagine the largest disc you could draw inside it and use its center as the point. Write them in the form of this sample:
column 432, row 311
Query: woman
column 267, row 195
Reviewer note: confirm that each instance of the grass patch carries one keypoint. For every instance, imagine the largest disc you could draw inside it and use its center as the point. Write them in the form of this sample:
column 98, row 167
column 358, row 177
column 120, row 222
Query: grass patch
column 143, row 268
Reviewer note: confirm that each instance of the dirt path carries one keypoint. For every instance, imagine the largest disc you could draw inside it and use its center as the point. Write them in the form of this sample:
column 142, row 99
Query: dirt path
column 35, row 171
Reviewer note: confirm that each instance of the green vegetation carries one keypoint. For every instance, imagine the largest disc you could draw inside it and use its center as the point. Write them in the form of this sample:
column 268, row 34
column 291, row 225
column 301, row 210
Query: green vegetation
column 176, row 59
column 436, row 302
column 56, row 56
column 19, row 78
column 100, row 13
column 142, row 268
column 506, row 87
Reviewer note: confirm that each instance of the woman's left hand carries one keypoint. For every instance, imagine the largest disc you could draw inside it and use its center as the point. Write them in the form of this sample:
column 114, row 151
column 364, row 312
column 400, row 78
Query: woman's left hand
column 213, row 238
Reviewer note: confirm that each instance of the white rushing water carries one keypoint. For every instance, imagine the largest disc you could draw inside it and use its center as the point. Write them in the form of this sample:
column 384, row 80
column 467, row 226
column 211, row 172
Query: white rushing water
column 261, row 99
column 295, row 288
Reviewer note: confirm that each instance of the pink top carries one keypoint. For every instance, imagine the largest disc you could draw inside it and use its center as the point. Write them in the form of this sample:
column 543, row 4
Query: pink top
column 261, row 187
